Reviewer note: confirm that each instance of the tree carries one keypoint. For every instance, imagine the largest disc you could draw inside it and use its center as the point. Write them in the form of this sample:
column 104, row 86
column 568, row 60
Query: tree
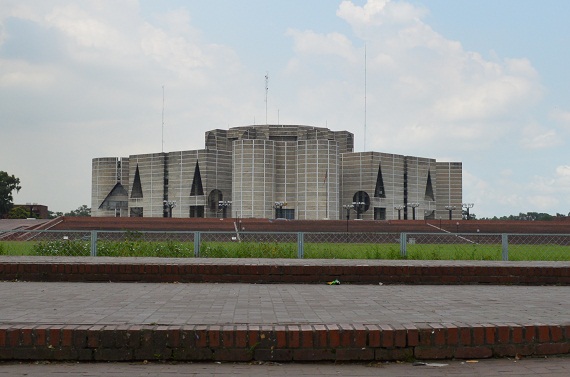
column 53, row 215
column 20, row 212
column 81, row 211
column 8, row 183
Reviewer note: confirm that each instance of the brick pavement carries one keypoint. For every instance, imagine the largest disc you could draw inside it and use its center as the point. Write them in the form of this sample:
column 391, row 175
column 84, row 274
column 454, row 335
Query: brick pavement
column 279, row 322
column 242, row 322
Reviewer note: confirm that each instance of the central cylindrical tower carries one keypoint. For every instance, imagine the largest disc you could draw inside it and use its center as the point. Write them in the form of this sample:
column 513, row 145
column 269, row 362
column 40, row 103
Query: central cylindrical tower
column 253, row 178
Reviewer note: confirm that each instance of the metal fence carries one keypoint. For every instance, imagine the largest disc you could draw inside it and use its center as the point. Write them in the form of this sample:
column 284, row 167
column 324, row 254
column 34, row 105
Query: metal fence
column 429, row 246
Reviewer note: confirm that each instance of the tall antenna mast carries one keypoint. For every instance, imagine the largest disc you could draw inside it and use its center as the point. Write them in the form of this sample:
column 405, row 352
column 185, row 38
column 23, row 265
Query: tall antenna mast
column 364, row 97
column 266, row 89
column 163, row 119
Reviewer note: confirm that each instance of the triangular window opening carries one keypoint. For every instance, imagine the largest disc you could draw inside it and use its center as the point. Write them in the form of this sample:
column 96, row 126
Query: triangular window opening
column 136, row 192
column 117, row 198
column 429, row 188
column 379, row 191
column 197, row 188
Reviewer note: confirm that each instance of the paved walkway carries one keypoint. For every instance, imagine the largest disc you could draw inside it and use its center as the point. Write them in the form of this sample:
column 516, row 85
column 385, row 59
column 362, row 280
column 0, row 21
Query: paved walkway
column 546, row 367
column 208, row 304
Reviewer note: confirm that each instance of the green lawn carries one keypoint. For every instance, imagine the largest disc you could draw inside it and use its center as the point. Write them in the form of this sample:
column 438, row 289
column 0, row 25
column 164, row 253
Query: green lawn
column 171, row 249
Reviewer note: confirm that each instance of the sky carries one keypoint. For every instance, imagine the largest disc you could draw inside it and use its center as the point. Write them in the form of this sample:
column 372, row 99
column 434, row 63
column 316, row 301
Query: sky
column 481, row 82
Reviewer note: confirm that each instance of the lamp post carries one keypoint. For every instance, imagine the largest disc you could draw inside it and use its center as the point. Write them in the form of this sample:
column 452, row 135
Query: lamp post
column 413, row 206
column 450, row 209
column 169, row 204
column 358, row 207
column 223, row 205
column 279, row 209
column 347, row 207
column 399, row 209
column 467, row 206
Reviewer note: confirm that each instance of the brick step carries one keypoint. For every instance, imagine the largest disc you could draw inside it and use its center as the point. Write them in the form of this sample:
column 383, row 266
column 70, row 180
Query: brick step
column 325, row 342
column 282, row 271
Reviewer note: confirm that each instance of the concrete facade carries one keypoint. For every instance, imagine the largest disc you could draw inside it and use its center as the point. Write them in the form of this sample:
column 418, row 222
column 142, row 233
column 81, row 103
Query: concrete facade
column 277, row 171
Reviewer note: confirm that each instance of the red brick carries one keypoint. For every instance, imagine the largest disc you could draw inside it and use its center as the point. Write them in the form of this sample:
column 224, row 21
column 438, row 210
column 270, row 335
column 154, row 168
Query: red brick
column 387, row 336
column 253, row 336
column 173, row 336
column 314, row 354
column 354, row 354
column 438, row 334
column 452, row 332
column 543, row 333
column 320, row 336
column 473, row 352
column 346, row 335
column 293, row 336
column 40, row 335
column 425, row 336
column 517, row 334
column 281, row 336
column 241, row 336
column 3, row 335
column 264, row 354
column 401, row 354
column 490, row 334
column 55, row 335
column 306, row 336
column 199, row 336
column 424, row 353
column 361, row 335
column 555, row 333
column 266, row 336
column 27, row 338
column 478, row 335
column 373, row 336
column 334, row 336
column 228, row 336
column 13, row 337
column 505, row 350
column 552, row 348
column 232, row 354
column 503, row 334
column 214, row 336
column 529, row 333
column 412, row 335
column 400, row 336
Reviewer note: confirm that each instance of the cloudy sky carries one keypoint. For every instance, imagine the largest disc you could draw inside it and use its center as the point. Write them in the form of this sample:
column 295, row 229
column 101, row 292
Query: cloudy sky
column 482, row 82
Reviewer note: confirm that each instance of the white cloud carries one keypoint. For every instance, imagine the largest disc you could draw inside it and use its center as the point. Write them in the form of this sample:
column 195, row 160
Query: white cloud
column 421, row 87
column 535, row 136
column 561, row 117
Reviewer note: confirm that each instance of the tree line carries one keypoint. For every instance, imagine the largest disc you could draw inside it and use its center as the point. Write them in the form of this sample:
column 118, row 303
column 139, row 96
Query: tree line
column 8, row 185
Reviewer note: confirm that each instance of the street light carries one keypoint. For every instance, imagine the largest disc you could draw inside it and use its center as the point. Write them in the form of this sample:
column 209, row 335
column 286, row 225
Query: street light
column 279, row 209
column 467, row 206
column 223, row 205
column 169, row 204
column 414, row 206
column 450, row 209
column 358, row 207
column 399, row 209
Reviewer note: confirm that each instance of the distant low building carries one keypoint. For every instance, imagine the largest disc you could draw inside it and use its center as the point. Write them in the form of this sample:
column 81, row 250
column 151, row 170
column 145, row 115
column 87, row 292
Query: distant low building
column 277, row 171
column 37, row 211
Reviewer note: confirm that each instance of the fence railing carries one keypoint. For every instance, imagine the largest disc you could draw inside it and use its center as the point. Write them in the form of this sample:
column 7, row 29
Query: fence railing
column 216, row 244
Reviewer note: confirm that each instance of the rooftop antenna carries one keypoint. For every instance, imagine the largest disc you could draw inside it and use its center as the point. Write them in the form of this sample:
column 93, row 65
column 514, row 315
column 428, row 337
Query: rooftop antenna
column 163, row 119
column 266, row 89
column 364, row 97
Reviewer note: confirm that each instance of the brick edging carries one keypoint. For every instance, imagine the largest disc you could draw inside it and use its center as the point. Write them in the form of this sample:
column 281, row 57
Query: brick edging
column 316, row 342
column 284, row 273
